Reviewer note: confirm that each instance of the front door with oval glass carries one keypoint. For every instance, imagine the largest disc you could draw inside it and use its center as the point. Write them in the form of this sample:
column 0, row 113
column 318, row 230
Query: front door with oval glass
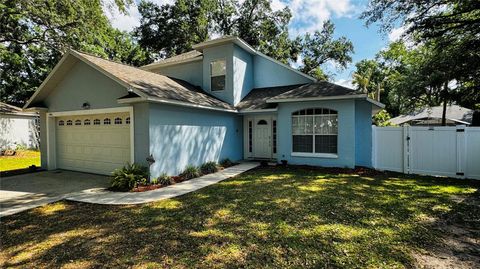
column 262, row 140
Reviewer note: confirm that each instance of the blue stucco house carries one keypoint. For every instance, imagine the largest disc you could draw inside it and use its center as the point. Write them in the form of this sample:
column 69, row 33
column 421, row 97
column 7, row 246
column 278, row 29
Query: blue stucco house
column 224, row 99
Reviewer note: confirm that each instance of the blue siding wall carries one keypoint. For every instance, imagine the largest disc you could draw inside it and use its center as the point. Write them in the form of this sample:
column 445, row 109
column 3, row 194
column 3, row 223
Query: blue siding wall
column 84, row 84
column 346, row 133
column 190, row 72
column 180, row 136
column 270, row 74
column 243, row 73
column 215, row 53
column 141, row 114
column 363, row 133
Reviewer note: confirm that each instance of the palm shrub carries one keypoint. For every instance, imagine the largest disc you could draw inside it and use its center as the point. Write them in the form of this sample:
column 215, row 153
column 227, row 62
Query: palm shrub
column 164, row 179
column 226, row 162
column 128, row 177
column 209, row 167
column 190, row 172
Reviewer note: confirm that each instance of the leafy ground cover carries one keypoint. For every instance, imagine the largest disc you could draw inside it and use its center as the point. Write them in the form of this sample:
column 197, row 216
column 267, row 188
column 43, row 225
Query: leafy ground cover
column 22, row 159
column 270, row 217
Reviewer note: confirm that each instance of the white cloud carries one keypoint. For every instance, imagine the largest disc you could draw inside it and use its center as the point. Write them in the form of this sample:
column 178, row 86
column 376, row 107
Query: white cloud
column 309, row 15
column 127, row 22
column 345, row 83
column 396, row 33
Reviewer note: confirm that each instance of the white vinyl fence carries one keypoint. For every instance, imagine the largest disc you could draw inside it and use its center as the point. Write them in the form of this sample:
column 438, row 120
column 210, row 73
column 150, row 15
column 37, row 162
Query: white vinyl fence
column 439, row 151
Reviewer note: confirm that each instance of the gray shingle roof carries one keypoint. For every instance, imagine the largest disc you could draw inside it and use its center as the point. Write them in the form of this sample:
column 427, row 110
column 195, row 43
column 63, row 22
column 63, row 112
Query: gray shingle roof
column 316, row 89
column 454, row 113
column 156, row 85
column 257, row 98
column 177, row 58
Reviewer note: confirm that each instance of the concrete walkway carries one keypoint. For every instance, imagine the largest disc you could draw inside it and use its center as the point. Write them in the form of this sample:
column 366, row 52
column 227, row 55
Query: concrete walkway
column 102, row 196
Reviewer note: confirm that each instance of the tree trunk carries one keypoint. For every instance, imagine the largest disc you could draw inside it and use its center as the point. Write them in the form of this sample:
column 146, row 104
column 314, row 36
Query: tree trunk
column 444, row 112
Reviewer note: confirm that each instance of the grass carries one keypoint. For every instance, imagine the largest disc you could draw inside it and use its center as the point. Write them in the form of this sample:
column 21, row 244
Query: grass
column 265, row 218
column 22, row 159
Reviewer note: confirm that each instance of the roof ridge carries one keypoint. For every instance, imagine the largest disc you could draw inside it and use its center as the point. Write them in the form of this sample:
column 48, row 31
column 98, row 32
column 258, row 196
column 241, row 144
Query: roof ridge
column 112, row 61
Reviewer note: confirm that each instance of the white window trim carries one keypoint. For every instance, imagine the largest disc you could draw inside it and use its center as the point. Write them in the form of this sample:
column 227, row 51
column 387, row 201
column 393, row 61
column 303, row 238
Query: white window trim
column 211, row 75
column 315, row 155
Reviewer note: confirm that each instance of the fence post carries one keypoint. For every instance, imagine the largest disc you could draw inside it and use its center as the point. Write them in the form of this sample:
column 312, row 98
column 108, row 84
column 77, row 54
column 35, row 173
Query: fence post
column 374, row 147
column 461, row 151
column 406, row 149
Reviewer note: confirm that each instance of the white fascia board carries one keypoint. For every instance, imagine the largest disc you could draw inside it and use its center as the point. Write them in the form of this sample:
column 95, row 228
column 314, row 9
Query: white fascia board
column 90, row 111
column 378, row 104
column 160, row 64
column 248, row 111
column 337, row 97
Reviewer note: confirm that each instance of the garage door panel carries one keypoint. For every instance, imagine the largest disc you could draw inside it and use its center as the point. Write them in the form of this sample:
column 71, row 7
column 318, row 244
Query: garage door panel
column 93, row 148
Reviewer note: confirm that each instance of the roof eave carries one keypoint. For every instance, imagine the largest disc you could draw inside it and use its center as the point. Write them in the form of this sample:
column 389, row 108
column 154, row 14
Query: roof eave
column 172, row 102
column 318, row 98
column 160, row 64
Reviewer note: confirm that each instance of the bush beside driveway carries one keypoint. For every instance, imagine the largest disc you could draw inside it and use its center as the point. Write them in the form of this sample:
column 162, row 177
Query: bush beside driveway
column 267, row 217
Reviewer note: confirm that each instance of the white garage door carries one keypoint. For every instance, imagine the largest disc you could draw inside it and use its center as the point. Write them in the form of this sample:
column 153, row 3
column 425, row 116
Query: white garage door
column 93, row 143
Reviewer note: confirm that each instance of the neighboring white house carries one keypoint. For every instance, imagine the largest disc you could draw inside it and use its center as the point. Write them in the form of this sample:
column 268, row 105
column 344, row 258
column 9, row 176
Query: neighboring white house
column 18, row 128
column 432, row 116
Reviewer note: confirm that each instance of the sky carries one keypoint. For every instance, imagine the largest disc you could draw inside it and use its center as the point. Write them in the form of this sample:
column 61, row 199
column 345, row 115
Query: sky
column 308, row 16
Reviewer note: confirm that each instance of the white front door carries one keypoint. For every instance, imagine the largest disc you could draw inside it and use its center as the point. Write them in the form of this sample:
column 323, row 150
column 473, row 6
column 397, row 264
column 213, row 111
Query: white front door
column 262, row 145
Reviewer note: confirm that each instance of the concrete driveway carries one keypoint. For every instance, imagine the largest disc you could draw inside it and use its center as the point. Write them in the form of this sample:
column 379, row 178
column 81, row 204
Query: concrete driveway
column 22, row 192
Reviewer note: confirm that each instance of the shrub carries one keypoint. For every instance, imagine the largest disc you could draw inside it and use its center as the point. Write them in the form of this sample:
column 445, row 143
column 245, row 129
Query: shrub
column 154, row 181
column 226, row 162
column 190, row 172
column 165, row 179
column 128, row 177
column 209, row 167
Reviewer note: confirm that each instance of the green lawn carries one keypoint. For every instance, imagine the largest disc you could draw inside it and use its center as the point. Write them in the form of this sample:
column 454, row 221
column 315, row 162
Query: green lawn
column 23, row 159
column 265, row 218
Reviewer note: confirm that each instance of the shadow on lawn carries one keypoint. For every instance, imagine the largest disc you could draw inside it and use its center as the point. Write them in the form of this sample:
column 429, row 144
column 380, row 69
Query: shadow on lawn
column 268, row 217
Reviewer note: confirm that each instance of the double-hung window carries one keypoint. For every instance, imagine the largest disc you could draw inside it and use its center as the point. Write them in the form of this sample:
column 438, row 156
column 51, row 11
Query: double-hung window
column 218, row 70
column 314, row 132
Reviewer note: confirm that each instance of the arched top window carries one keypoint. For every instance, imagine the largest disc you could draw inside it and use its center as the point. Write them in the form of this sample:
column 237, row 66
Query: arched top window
column 106, row 121
column 78, row 122
column 69, row 122
column 315, row 131
column 96, row 122
column 86, row 122
column 262, row 122
column 127, row 120
column 118, row 121
column 61, row 123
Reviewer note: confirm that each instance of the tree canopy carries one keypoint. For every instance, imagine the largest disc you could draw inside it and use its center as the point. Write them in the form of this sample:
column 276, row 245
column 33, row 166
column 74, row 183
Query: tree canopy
column 443, row 62
column 169, row 30
column 35, row 33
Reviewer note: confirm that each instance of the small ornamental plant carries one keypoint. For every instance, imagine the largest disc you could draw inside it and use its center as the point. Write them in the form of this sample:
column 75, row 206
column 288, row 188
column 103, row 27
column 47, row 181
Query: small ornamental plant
column 209, row 167
column 128, row 177
column 190, row 172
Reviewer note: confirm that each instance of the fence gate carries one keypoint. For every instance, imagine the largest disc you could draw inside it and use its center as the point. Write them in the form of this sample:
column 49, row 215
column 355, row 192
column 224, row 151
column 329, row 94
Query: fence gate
column 440, row 151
